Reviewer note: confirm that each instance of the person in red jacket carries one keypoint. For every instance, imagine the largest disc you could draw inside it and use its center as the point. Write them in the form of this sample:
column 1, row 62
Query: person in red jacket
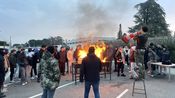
column 120, row 61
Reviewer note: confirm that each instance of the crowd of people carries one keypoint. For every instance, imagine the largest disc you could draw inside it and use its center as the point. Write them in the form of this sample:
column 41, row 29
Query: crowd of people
column 53, row 63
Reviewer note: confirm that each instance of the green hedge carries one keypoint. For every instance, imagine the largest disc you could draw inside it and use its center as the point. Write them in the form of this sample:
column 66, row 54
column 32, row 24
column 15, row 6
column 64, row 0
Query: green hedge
column 169, row 42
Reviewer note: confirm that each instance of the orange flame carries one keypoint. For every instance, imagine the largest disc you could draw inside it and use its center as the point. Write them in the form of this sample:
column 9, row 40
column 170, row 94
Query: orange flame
column 82, row 54
column 104, row 60
column 100, row 47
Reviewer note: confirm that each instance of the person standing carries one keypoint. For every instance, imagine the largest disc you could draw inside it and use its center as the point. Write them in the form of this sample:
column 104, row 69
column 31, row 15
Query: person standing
column 62, row 59
column 126, row 54
column 141, row 39
column 6, row 65
column 115, row 60
column 50, row 73
column 70, row 58
column 29, row 67
column 90, row 71
column 41, row 53
column 133, row 66
column 12, row 60
column 18, row 66
column 166, row 56
column 2, row 73
column 151, row 58
column 23, row 63
column 6, row 60
column 76, row 55
column 108, row 54
column 120, row 61
column 34, row 64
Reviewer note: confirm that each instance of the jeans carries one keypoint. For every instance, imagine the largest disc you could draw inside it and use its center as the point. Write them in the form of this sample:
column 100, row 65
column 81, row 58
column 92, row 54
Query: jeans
column 95, row 86
column 11, row 72
column 139, row 58
column 120, row 67
column 25, row 73
column 47, row 93
column 62, row 67
column 33, row 69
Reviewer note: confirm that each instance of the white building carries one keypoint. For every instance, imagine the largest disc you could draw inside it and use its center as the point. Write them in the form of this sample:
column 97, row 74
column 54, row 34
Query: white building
column 72, row 43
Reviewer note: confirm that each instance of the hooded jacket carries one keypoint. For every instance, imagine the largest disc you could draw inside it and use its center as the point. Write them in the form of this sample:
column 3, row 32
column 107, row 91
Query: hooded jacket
column 50, row 72
column 90, row 68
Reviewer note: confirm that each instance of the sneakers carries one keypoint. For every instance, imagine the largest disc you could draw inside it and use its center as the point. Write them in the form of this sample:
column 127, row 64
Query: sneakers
column 4, row 90
column 32, row 78
column 25, row 83
column 4, row 85
column 118, row 75
column 12, row 81
column 123, row 75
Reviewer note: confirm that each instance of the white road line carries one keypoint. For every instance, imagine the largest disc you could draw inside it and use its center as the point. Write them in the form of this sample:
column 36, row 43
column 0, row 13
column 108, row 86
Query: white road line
column 125, row 91
column 57, row 88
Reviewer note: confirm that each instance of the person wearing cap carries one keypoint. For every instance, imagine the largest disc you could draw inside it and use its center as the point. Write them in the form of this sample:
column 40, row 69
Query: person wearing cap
column 90, row 71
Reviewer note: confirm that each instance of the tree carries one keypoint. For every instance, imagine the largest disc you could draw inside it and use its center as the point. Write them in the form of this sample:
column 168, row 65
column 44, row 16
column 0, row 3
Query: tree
column 3, row 43
column 16, row 45
column 151, row 14
column 47, row 41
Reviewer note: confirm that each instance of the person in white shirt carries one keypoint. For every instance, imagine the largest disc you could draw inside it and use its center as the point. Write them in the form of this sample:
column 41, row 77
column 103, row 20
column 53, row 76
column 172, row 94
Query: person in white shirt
column 70, row 59
column 29, row 56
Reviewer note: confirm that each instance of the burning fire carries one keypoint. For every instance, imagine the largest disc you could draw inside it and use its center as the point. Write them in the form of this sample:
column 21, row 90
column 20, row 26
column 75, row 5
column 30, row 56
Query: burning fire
column 82, row 54
column 99, row 49
column 104, row 60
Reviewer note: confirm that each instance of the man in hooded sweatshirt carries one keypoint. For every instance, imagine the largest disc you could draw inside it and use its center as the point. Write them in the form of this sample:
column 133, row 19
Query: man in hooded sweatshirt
column 90, row 71
column 50, row 73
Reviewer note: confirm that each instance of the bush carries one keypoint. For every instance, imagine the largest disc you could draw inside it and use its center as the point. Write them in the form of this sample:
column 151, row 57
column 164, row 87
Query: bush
column 169, row 42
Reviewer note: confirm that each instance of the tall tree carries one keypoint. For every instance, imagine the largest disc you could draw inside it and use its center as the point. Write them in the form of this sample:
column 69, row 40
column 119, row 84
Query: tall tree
column 151, row 14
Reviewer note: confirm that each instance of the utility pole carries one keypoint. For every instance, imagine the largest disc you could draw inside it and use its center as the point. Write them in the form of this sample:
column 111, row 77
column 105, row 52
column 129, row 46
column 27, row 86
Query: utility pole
column 10, row 44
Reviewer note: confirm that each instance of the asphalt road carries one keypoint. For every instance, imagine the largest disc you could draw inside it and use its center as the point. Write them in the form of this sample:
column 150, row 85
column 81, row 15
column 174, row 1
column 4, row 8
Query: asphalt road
column 118, row 87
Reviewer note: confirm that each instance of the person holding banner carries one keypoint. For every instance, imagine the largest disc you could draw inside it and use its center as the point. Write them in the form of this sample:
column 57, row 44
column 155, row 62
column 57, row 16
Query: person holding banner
column 141, row 40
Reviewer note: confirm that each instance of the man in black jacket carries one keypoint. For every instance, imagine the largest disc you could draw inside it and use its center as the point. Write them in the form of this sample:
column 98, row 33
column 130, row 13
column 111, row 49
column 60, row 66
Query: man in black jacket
column 90, row 70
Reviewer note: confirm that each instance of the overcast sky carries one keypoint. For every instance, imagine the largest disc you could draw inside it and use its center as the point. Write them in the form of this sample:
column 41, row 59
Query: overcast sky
column 38, row 19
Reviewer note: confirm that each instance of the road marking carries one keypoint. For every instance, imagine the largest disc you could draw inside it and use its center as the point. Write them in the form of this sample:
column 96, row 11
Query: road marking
column 124, row 92
column 57, row 88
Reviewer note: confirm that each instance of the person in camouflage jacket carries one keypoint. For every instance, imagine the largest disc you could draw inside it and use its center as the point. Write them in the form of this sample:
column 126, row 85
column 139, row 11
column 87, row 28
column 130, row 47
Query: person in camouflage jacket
column 50, row 73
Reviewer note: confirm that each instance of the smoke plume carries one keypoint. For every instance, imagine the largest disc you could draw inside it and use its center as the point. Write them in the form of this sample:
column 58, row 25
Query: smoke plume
column 99, row 19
